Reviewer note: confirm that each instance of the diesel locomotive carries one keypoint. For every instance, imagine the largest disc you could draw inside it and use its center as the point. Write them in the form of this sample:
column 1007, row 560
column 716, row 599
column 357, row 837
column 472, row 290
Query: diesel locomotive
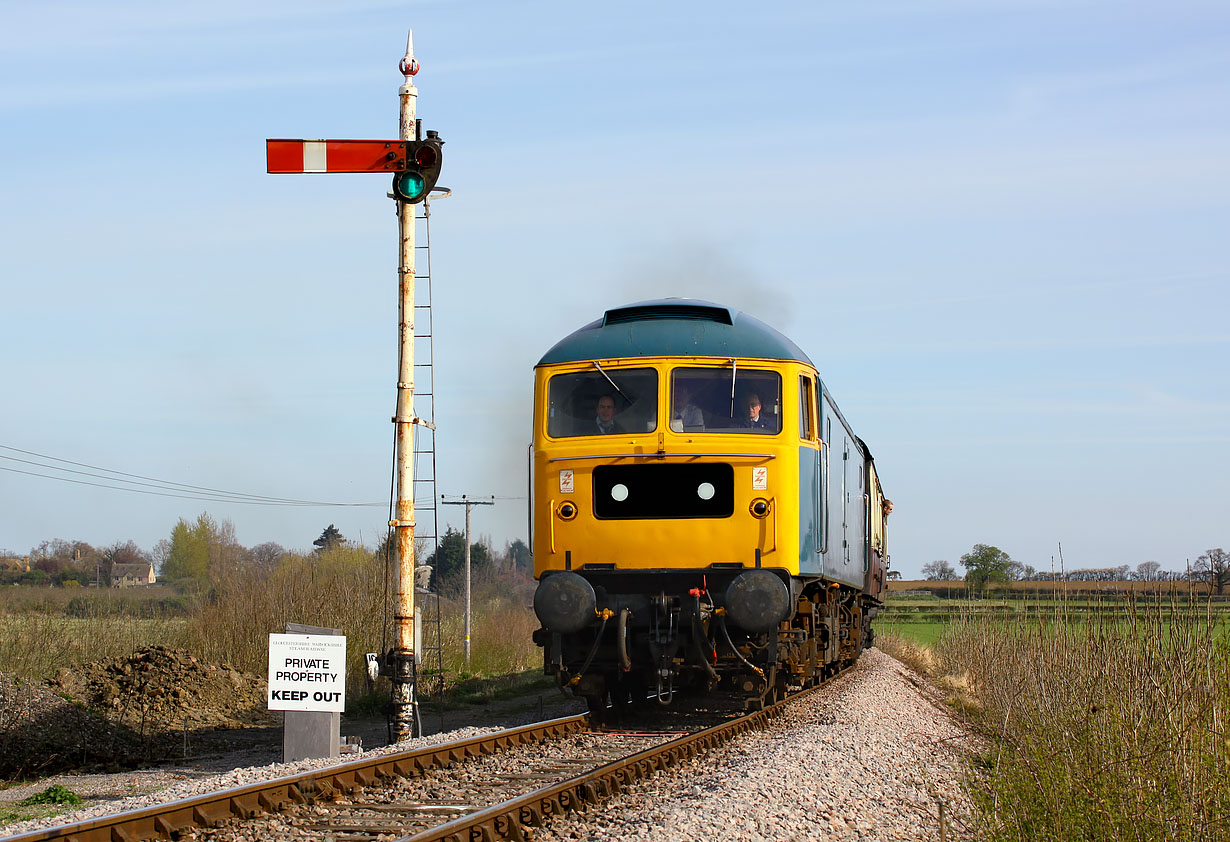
column 703, row 517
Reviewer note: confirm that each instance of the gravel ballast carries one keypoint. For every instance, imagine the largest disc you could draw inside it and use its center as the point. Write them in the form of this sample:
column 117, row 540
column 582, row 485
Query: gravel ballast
column 869, row 757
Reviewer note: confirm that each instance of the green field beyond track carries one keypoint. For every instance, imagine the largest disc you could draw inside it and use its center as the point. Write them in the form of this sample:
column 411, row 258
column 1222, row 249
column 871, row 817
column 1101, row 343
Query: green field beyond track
column 923, row 619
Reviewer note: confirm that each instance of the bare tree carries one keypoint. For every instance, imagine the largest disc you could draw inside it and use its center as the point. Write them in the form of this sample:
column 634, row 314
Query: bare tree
column 1213, row 567
column 123, row 552
column 159, row 554
column 1146, row 571
column 939, row 571
column 265, row 556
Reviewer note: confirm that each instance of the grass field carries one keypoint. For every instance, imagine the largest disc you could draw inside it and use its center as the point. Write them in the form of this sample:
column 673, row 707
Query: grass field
column 37, row 645
column 1105, row 718
column 923, row 634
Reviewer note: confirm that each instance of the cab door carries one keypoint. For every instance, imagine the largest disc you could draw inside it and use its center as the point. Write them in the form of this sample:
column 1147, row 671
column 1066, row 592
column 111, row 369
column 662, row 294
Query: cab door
column 810, row 481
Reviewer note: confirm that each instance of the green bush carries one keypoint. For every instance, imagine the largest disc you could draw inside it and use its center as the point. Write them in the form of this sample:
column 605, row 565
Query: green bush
column 54, row 794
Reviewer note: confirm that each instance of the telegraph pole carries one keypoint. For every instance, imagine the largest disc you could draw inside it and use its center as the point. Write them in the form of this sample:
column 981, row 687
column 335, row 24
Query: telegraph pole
column 465, row 501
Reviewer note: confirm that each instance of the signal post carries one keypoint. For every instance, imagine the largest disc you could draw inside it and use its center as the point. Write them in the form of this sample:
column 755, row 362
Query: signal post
column 415, row 164
column 400, row 663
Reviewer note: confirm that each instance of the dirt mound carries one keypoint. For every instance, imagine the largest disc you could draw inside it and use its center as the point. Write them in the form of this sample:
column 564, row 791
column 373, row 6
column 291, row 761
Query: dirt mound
column 42, row 733
column 159, row 689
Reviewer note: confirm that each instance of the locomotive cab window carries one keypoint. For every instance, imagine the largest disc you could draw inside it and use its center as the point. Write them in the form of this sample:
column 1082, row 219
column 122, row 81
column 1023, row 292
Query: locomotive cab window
column 806, row 411
column 589, row 404
column 725, row 400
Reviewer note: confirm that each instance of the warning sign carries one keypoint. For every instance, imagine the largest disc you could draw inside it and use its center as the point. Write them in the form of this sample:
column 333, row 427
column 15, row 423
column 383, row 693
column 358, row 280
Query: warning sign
column 760, row 479
column 307, row 672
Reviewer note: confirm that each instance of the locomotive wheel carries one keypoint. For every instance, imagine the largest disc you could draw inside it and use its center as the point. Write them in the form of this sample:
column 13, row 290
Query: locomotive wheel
column 621, row 698
column 599, row 712
column 624, row 698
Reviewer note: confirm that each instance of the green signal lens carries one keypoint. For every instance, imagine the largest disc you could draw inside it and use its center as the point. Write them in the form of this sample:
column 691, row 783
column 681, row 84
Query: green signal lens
column 409, row 186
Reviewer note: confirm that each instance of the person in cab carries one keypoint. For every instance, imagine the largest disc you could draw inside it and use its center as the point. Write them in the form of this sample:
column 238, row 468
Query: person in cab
column 752, row 416
column 604, row 421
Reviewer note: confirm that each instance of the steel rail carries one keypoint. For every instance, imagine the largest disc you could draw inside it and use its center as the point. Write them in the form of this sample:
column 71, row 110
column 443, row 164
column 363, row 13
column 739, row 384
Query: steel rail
column 245, row 802
column 506, row 820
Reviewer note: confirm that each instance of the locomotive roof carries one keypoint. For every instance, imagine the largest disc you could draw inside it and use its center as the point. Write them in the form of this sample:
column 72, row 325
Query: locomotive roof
column 674, row 327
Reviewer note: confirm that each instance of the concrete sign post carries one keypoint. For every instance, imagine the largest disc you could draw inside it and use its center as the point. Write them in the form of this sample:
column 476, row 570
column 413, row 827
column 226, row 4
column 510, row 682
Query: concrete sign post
column 307, row 679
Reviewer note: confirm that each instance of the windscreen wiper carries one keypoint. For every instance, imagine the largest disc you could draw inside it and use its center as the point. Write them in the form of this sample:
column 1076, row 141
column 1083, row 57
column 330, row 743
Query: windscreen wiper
column 614, row 385
column 733, row 371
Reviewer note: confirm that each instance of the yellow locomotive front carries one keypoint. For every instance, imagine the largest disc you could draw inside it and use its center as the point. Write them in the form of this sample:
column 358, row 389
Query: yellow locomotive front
column 675, row 522
column 623, row 483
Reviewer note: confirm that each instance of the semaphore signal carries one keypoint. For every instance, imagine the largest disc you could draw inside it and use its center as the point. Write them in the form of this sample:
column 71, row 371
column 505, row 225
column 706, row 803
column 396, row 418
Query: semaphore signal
column 414, row 162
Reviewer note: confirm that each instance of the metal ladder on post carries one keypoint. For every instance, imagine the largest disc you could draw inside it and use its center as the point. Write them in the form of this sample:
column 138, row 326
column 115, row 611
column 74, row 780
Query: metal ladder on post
column 426, row 495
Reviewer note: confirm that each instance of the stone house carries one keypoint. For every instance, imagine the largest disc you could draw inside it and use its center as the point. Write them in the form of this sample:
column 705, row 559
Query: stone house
column 130, row 575
column 17, row 565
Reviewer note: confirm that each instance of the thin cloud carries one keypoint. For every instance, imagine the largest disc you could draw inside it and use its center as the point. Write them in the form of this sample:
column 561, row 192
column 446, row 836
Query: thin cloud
column 105, row 28
column 966, row 345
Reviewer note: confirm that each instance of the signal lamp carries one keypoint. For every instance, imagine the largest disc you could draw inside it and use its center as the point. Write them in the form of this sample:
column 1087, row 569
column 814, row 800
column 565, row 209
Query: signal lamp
column 409, row 186
column 426, row 156
column 422, row 168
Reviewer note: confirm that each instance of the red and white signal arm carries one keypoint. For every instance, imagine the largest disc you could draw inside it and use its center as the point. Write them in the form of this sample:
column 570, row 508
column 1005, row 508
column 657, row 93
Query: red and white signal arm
column 323, row 156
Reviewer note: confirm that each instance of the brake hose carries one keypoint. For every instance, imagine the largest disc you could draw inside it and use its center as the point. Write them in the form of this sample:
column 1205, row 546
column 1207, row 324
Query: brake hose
column 606, row 615
column 738, row 654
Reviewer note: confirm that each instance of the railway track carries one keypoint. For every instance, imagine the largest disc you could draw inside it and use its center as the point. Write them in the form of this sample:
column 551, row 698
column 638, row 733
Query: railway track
column 485, row 788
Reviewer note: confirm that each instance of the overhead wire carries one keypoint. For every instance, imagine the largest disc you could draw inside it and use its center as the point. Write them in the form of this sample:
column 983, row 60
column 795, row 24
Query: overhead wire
column 166, row 488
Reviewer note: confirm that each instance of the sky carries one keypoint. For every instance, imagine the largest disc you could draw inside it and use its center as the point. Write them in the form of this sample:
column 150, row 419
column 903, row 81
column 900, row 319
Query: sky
column 1001, row 231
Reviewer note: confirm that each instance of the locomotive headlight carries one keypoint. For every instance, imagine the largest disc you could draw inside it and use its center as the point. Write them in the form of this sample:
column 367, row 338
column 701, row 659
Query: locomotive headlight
column 757, row 601
column 566, row 510
column 760, row 507
column 565, row 602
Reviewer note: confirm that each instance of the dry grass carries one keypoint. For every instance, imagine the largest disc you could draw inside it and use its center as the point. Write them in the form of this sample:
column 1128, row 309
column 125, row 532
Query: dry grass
column 343, row 588
column 38, row 645
column 917, row 657
column 1107, row 729
column 501, row 626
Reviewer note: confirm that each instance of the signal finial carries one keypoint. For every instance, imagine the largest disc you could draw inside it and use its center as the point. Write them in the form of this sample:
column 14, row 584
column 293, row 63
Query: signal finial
column 409, row 64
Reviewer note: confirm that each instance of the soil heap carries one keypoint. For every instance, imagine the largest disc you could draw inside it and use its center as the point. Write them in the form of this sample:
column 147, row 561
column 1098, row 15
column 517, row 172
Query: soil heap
column 160, row 689
column 121, row 712
column 43, row 733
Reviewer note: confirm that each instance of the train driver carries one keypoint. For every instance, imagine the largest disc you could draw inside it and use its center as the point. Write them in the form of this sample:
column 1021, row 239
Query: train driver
column 752, row 417
column 604, row 422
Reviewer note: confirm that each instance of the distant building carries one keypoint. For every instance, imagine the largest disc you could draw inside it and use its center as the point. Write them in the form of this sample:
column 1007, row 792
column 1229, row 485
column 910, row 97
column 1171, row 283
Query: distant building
column 131, row 575
column 19, row 565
